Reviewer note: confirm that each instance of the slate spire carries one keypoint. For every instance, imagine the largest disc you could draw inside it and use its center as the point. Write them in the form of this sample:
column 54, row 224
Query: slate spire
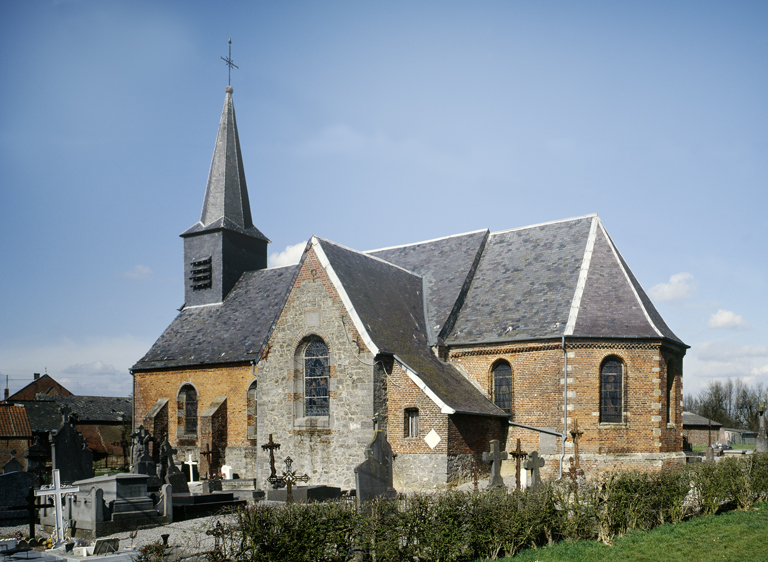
column 223, row 243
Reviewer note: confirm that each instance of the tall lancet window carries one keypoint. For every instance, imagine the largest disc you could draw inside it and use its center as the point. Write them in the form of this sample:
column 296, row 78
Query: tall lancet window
column 670, row 392
column 611, row 391
column 502, row 386
column 186, row 411
column 316, row 378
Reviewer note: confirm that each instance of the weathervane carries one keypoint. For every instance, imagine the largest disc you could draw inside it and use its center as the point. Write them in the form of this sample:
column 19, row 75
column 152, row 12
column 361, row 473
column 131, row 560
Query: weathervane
column 229, row 63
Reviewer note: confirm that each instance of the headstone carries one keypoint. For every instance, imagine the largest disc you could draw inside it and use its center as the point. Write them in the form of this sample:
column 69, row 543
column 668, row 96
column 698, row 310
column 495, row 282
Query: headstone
column 227, row 471
column 533, row 464
column 141, row 462
column 14, row 492
column 495, row 457
column 13, row 465
column 58, row 492
column 709, row 454
column 761, row 443
column 373, row 476
column 37, row 458
column 71, row 455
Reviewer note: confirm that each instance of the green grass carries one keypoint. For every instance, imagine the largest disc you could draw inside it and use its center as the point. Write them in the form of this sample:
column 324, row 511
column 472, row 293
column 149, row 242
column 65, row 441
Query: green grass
column 698, row 449
column 733, row 536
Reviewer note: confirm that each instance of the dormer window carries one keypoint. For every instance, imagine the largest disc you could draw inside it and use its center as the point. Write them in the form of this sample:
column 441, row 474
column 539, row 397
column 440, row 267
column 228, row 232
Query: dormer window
column 202, row 273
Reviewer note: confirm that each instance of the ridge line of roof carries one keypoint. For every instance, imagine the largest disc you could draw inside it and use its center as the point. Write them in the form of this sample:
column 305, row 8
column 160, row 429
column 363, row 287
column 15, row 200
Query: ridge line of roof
column 591, row 215
column 581, row 283
column 425, row 241
column 339, row 286
column 203, row 305
column 629, row 281
column 369, row 257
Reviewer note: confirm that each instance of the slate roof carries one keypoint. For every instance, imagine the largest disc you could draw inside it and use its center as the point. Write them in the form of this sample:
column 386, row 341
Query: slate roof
column 691, row 419
column 389, row 302
column 233, row 331
column 447, row 266
column 14, row 422
column 43, row 416
column 108, row 409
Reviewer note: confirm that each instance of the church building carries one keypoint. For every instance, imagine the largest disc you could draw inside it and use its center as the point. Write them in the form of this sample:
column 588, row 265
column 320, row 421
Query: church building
column 443, row 345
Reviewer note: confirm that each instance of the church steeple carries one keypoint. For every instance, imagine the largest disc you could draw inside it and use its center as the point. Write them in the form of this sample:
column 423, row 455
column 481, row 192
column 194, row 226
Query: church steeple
column 223, row 243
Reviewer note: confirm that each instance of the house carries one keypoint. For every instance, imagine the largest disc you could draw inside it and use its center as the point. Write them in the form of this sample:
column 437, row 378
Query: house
column 443, row 345
column 700, row 431
column 39, row 385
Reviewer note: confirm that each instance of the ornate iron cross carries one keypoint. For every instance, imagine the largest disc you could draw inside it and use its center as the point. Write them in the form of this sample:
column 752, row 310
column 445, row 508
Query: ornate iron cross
column 229, row 63
column 518, row 453
column 576, row 434
column 288, row 479
column 271, row 446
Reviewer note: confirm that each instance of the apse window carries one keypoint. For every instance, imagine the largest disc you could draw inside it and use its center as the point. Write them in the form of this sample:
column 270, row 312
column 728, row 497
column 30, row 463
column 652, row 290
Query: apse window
column 251, row 410
column 611, row 391
column 502, row 386
column 412, row 423
column 186, row 411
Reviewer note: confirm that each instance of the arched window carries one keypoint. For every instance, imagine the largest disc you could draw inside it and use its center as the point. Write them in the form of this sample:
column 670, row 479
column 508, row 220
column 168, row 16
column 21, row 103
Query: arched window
column 611, row 391
column 316, row 378
column 252, row 410
column 502, row 386
column 670, row 392
column 186, row 411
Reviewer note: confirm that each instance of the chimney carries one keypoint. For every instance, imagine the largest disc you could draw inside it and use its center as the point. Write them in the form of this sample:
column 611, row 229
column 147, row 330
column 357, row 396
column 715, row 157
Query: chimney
column 37, row 376
column 7, row 394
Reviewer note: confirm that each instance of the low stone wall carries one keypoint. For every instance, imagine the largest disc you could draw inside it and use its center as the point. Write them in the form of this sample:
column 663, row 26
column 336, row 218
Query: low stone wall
column 419, row 472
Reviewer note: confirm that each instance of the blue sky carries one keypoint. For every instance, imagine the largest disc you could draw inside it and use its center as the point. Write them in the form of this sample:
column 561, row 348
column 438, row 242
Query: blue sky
column 375, row 124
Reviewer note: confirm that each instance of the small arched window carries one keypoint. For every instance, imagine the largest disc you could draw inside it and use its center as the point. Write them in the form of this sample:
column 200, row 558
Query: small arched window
column 252, row 410
column 502, row 386
column 611, row 391
column 670, row 392
column 316, row 378
column 186, row 411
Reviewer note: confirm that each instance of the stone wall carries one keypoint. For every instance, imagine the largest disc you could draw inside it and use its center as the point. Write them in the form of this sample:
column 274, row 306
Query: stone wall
column 326, row 448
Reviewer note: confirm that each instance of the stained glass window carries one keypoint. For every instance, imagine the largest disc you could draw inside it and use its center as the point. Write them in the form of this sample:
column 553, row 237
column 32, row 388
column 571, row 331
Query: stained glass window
column 611, row 407
column 316, row 379
column 502, row 386
column 252, row 410
column 187, row 410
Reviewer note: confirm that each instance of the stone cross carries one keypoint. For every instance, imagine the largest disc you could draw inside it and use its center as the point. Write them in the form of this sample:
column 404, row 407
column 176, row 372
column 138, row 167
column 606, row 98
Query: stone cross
column 58, row 492
column 495, row 457
column 141, row 450
column 207, row 454
column 271, row 446
column 533, row 464
column 576, row 434
column 191, row 464
column 518, row 453
column 66, row 412
column 288, row 479
column 761, row 443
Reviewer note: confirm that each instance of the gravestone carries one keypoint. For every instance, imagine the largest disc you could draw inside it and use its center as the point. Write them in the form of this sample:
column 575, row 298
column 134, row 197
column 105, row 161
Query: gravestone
column 173, row 475
column 373, row 477
column 14, row 493
column 13, row 465
column 37, row 458
column 495, row 457
column 761, row 443
column 532, row 465
column 142, row 462
column 71, row 456
column 709, row 454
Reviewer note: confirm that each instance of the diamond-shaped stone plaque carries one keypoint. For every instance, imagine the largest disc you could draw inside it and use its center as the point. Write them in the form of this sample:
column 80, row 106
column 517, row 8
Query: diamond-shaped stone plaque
column 432, row 439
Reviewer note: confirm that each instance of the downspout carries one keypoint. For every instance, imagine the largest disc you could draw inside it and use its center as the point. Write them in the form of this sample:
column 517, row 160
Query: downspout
column 565, row 405
column 133, row 415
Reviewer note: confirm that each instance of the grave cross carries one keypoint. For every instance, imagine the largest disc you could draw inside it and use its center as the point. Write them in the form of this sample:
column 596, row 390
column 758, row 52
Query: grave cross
column 574, row 472
column 208, row 454
column 518, row 453
column 495, row 457
column 58, row 492
column 271, row 446
column 534, row 463
column 288, row 479
column 191, row 464
column 576, row 434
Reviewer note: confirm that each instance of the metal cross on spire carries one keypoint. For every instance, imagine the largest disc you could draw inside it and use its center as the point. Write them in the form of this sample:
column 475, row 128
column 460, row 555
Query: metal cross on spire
column 229, row 63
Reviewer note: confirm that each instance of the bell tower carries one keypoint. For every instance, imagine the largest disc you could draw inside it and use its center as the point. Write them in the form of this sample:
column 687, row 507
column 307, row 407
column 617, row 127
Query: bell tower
column 223, row 243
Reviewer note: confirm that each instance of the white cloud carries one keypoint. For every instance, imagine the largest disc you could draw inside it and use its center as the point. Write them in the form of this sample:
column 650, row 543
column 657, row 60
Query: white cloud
column 290, row 256
column 681, row 286
column 719, row 351
column 138, row 272
column 95, row 368
column 760, row 370
column 726, row 319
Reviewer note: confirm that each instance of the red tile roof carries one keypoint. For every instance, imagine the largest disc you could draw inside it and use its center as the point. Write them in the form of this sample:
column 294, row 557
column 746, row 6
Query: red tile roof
column 14, row 421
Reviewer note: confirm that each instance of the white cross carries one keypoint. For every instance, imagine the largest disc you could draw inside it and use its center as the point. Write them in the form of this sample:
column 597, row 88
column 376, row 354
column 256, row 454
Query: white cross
column 191, row 464
column 58, row 492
